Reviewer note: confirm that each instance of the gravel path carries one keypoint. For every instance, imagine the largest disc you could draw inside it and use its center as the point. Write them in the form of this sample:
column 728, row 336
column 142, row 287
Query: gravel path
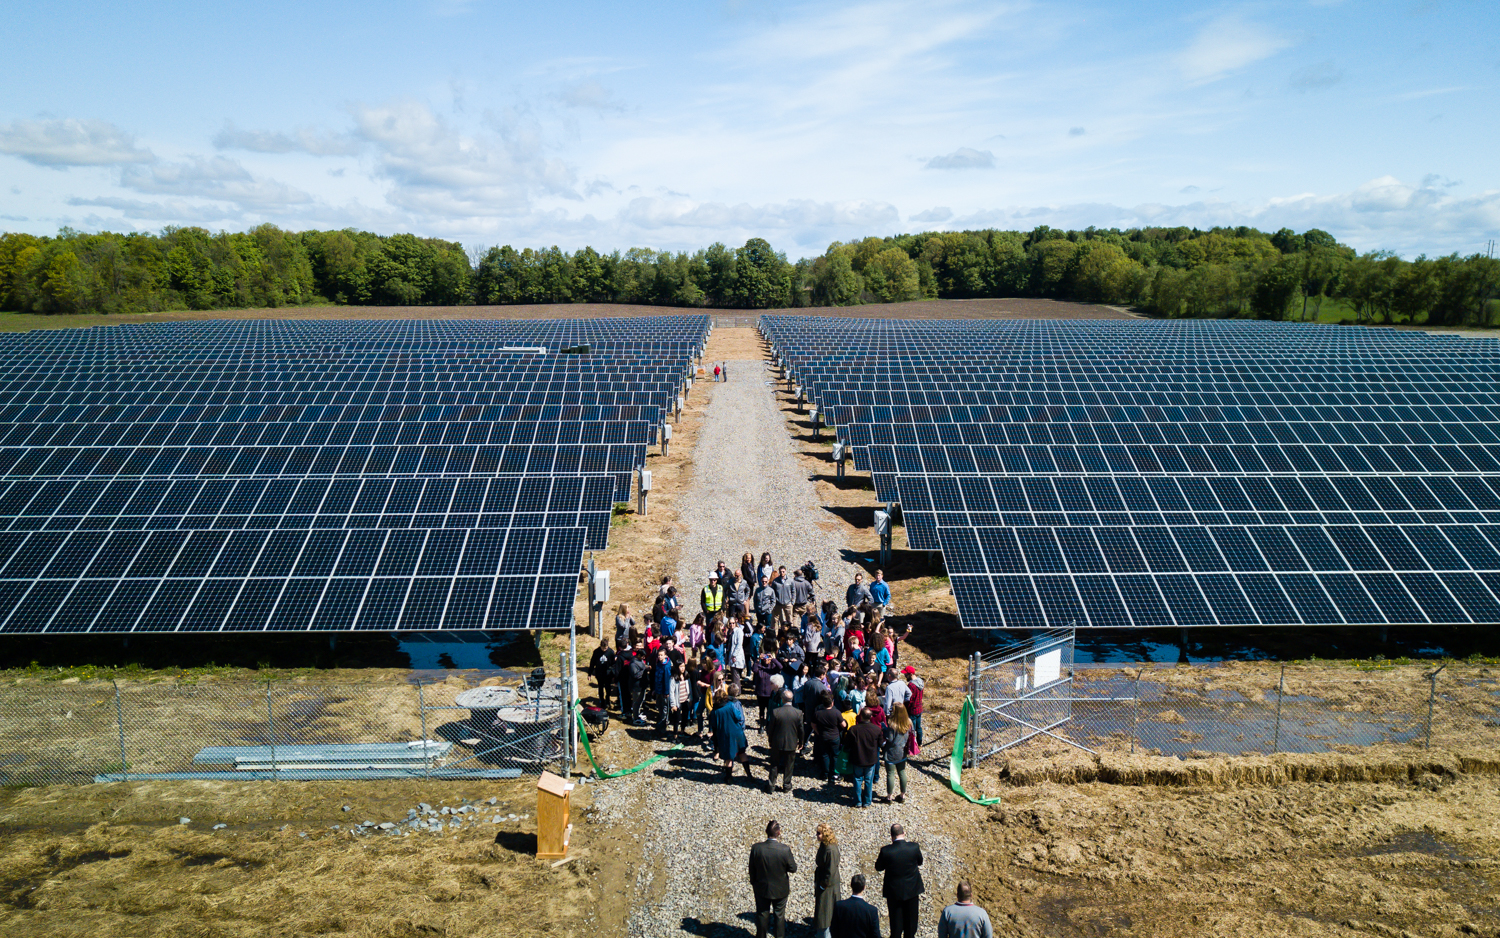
column 749, row 492
column 693, row 830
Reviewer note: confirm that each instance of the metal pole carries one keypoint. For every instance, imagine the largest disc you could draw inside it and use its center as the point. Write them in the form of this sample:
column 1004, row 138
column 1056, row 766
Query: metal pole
column 974, row 693
column 1431, row 695
column 567, row 711
column 120, row 722
column 271, row 729
column 1280, row 692
column 426, row 751
column 1135, row 720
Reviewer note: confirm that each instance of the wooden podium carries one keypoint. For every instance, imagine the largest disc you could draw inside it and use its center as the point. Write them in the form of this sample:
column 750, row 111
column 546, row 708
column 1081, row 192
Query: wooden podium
column 553, row 824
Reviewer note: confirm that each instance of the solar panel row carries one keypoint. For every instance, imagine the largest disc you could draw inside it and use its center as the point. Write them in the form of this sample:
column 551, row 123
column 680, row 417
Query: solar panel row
column 317, row 476
column 1096, row 473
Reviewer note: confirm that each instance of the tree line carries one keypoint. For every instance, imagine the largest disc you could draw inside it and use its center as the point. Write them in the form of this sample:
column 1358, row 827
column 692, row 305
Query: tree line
column 1222, row 272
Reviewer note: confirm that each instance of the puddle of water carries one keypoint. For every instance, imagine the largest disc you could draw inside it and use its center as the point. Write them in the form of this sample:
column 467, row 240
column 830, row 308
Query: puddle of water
column 480, row 652
column 1422, row 842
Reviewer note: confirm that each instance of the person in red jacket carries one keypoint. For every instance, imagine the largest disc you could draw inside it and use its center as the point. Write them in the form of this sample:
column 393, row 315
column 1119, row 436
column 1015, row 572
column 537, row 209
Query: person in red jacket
column 916, row 687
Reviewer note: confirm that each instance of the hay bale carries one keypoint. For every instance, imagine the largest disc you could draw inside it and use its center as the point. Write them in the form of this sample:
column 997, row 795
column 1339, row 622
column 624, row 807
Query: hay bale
column 1072, row 767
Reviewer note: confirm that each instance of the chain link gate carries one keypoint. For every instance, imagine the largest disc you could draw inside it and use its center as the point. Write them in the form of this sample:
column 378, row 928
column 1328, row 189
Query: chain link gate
column 1025, row 690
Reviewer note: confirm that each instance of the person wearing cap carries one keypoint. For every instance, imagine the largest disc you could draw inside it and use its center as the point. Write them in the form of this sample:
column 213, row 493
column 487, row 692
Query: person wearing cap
column 896, row 692
column 712, row 597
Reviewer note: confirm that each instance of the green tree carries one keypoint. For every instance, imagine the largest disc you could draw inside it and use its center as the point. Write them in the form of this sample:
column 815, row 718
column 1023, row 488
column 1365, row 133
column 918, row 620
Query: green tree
column 762, row 277
column 891, row 276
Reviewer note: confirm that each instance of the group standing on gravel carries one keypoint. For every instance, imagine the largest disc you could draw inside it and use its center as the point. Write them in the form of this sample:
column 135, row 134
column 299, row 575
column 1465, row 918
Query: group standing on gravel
column 826, row 680
column 772, row 863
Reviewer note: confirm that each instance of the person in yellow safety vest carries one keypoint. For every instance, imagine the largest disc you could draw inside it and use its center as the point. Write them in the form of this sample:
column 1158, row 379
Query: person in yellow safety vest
column 712, row 597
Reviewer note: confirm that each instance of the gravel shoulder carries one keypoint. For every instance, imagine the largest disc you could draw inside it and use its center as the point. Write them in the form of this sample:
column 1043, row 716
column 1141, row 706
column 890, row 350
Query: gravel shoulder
column 690, row 830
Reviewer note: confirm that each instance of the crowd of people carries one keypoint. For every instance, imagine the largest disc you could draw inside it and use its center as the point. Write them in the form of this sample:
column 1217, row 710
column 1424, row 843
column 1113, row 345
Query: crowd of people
column 900, row 863
column 826, row 678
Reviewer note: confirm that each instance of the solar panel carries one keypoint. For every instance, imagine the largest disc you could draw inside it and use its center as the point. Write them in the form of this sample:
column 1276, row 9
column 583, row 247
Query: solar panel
column 320, row 476
column 1148, row 473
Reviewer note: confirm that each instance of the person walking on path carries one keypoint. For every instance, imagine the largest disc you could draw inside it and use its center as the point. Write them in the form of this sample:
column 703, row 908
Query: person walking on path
column 854, row 917
column 896, row 740
column 785, row 738
column 771, row 863
column 727, row 724
column 964, row 919
column 901, row 862
column 864, row 755
column 825, row 881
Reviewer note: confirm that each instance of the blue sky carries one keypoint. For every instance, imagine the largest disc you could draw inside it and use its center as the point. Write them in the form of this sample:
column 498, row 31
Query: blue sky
column 673, row 125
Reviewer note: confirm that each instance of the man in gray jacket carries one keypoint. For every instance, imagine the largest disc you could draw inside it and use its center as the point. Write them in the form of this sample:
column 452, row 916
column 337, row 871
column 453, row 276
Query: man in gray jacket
column 782, row 587
column 765, row 603
column 858, row 592
column 802, row 595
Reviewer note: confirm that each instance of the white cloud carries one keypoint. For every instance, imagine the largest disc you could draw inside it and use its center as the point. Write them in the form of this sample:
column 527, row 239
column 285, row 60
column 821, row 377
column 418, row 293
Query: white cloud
column 939, row 214
column 652, row 212
column 302, row 140
column 173, row 211
column 219, row 178
column 1429, row 93
column 1384, row 213
column 589, row 95
column 435, row 169
column 62, row 143
column 1225, row 44
column 963, row 158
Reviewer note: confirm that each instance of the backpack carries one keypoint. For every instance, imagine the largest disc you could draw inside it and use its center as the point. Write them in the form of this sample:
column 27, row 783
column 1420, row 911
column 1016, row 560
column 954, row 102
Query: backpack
column 810, row 571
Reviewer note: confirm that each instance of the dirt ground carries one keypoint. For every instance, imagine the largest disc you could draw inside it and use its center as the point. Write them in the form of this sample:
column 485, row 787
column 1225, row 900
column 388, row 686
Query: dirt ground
column 114, row 860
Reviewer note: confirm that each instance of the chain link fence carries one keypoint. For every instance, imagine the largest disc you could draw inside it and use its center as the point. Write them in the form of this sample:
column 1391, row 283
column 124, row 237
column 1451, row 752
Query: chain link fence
column 1240, row 708
column 77, row 733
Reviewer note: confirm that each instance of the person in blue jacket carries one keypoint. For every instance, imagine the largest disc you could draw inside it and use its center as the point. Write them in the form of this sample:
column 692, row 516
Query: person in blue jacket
column 727, row 723
column 661, row 685
column 880, row 590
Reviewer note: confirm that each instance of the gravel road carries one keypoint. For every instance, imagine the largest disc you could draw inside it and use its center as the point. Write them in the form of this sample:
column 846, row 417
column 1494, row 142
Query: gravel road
column 749, row 493
column 693, row 830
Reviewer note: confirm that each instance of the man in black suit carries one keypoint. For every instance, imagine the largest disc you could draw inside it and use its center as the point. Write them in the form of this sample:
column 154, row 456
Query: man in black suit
column 854, row 917
column 901, row 861
column 785, row 737
column 771, row 862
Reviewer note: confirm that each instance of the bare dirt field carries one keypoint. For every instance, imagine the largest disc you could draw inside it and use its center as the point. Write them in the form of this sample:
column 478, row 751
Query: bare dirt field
column 1018, row 308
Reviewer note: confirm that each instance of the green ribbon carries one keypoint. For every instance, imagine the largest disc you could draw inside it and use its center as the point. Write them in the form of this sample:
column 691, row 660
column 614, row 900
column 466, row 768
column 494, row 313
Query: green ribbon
column 956, row 759
column 583, row 735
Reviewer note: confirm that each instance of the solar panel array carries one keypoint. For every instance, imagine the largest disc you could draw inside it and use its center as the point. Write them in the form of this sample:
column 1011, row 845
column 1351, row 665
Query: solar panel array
column 1187, row 473
column 320, row 476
